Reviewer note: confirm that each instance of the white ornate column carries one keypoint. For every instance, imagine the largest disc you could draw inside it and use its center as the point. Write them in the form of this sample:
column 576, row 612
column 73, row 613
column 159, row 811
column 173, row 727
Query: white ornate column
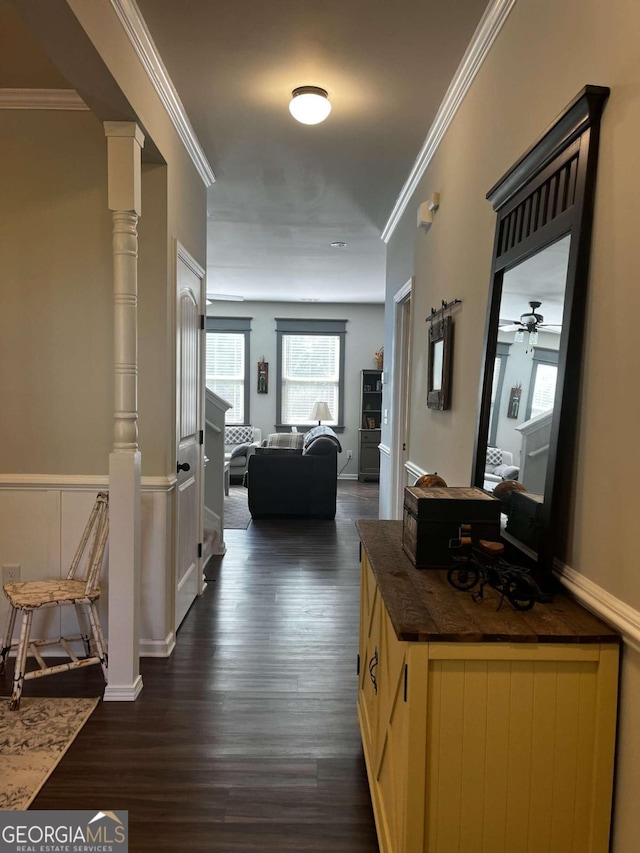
column 124, row 146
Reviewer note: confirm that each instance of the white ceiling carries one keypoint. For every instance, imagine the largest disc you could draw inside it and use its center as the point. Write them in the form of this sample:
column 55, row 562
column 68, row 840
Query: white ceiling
column 284, row 191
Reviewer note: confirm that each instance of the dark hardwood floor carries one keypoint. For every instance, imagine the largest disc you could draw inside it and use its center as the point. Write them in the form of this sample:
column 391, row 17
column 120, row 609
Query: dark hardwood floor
column 246, row 739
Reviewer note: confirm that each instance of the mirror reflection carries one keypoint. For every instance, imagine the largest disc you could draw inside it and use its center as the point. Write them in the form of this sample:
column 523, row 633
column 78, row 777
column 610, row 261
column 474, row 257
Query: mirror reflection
column 524, row 375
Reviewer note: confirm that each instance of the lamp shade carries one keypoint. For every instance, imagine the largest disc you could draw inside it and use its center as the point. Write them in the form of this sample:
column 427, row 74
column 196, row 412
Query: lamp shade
column 309, row 104
column 321, row 412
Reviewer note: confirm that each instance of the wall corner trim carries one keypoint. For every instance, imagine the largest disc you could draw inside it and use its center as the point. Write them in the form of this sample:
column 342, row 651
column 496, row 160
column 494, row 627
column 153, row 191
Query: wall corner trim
column 41, row 99
column 384, row 449
column 486, row 33
column 612, row 610
column 138, row 33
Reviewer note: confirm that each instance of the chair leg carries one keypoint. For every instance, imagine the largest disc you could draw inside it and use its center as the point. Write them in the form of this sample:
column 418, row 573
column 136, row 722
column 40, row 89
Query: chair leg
column 85, row 628
column 21, row 660
column 98, row 639
column 7, row 639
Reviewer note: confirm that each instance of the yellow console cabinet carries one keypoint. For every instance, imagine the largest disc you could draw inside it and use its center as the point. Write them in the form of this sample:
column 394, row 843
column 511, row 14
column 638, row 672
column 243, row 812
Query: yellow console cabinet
column 484, row 731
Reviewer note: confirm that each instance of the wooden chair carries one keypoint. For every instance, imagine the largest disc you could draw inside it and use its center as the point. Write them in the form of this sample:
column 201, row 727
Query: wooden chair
column 81, row 589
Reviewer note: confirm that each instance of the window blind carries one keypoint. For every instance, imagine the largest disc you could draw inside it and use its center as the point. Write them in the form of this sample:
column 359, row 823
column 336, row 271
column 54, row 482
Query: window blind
column 225, row 371
column 310, row 373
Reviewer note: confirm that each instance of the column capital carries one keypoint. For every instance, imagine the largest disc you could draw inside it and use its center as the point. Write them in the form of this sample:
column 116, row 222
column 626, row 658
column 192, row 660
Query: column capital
column 124, row 128
column 124, row 153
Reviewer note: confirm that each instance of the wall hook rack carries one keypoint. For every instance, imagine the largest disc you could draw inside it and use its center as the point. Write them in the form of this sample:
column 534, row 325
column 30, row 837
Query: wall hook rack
column 446, row 306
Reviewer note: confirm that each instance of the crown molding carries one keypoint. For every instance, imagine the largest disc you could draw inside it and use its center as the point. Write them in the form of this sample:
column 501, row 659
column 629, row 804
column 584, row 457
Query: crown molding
column 490, row 25
column 138, row 33
column 41, row 99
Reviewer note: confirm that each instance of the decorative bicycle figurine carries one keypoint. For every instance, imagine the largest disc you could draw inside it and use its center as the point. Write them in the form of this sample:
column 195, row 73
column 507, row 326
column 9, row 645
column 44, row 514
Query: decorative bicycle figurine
column 483, row 562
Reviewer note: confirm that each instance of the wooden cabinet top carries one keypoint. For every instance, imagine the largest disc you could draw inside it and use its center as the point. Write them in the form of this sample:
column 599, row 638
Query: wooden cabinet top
column 424, row 607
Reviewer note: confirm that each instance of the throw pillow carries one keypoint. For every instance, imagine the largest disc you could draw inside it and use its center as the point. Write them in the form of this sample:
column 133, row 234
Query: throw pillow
column 278, row 451
column 284, row 439
column 507, row 472
column 238, row 434
column 494, row 457
column 240, row 450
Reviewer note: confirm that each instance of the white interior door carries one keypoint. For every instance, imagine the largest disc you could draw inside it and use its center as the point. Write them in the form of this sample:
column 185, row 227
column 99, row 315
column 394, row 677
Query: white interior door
column 401, row 386
column 189, row 461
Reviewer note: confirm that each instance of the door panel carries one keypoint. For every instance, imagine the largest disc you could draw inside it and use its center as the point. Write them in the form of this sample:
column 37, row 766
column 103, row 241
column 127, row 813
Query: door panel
column 189, row 451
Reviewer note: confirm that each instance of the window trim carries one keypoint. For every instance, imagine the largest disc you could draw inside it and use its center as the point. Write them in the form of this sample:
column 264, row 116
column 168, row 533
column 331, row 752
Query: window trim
column 236, row 325
column 334, row 328
column 503, row 351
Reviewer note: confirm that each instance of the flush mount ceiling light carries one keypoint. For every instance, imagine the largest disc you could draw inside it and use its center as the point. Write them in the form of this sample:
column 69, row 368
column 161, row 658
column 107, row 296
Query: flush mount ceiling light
column 309, row 104
column 338, row 244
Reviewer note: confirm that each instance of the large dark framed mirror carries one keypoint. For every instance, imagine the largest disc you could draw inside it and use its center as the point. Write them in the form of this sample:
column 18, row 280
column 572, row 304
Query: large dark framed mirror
column 534, row 331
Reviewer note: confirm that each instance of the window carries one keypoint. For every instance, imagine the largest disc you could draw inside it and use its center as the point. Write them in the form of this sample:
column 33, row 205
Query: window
column 310, row 369
column 544, row 388
column 227, row 364
column 544, row 374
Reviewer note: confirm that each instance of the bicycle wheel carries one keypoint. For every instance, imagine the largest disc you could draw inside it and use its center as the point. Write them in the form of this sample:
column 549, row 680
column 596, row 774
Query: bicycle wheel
column 522, row 592
column 463, row 577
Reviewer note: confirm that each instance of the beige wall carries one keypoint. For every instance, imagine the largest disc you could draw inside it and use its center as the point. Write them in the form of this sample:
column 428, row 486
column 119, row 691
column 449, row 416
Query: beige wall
column 186, row 219
column 57, row 317
column 55, row 282
column 545, row 54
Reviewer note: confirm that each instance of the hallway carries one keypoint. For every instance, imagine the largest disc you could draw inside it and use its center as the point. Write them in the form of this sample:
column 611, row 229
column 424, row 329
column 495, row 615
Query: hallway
column 247, row 737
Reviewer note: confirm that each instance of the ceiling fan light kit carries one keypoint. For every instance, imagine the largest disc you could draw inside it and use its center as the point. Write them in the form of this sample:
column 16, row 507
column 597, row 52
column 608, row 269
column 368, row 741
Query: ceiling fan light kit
column 309, row 104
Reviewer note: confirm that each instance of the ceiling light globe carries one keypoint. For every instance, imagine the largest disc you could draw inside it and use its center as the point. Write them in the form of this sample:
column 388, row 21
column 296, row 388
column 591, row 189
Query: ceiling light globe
column 309, row 104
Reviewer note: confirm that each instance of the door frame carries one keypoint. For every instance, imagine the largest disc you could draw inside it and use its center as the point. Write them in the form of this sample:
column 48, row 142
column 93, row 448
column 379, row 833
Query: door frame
column 183, row 256
column 402, row 323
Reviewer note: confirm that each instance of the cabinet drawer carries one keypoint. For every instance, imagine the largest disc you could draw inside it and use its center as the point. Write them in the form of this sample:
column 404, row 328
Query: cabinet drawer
column 370, row 436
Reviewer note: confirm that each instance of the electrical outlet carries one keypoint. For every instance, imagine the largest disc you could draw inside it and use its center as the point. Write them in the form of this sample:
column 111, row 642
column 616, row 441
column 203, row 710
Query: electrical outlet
column 349, row 454
column 11, row 573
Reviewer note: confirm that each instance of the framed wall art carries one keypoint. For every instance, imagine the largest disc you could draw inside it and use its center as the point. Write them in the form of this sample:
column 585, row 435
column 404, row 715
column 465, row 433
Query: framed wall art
column 263, row 377
column 439, row 364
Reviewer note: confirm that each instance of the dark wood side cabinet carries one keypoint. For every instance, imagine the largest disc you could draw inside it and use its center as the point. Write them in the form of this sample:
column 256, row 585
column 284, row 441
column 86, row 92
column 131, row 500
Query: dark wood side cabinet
column 370, row 417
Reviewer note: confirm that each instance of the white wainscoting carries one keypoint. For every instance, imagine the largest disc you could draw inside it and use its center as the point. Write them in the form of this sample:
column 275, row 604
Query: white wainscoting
column 41, row 520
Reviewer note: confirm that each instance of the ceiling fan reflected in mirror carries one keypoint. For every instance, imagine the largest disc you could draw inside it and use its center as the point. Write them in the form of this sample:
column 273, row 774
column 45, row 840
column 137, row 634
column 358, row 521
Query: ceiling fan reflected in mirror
column 530, row 322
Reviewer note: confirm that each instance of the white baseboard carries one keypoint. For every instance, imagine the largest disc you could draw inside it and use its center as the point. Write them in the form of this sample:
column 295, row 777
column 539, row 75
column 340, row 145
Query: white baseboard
column 610, row 609
column 347, row 476
column 158, row 648
column 123, row 692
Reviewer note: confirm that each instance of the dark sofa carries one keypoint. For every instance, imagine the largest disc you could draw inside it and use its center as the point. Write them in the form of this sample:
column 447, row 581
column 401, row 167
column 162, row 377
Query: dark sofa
column 295, row 483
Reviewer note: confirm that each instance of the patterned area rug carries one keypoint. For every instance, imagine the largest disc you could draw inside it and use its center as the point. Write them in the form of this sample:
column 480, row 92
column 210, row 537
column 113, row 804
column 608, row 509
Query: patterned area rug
column 33, row 739
column 236, row 509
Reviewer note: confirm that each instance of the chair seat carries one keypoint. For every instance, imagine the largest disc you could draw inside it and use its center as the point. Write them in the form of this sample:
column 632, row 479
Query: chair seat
column 29, row 595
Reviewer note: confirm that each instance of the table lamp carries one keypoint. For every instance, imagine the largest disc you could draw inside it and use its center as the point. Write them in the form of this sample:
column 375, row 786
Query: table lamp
column 321, row 412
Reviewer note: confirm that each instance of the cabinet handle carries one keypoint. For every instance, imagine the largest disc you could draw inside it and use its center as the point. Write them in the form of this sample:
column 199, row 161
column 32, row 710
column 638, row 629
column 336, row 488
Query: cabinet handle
column 373, row 663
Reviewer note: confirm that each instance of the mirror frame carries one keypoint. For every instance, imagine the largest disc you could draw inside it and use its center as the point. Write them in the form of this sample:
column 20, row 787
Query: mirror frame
column 439, row 397
column 547, row 194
